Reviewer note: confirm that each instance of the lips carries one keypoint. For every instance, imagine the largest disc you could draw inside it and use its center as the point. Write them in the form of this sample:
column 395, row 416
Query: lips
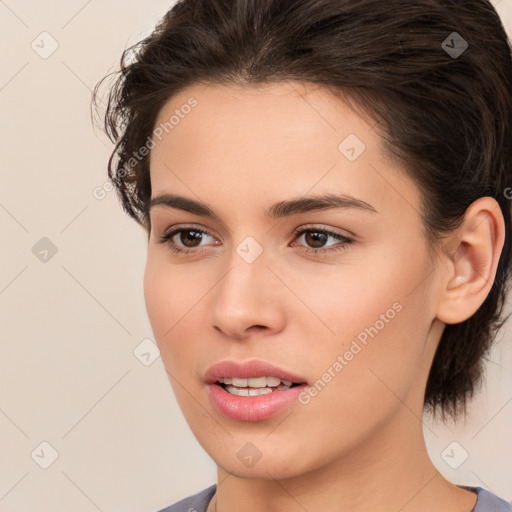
column 251, row 403
column 249, row 369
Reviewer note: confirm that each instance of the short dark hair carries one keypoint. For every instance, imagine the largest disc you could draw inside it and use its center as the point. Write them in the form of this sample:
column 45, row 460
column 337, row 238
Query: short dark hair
column 443, row 110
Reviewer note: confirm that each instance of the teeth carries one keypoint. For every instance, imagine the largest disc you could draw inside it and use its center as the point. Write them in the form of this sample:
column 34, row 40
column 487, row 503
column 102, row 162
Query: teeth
column 253, row 391
column 255, row 382
column 258, row 382
column 247, row 391
column 254, row 386
column 273, row 381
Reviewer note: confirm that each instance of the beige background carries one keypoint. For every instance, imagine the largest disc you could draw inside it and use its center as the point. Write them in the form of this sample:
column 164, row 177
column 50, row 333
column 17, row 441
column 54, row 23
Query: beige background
column 69, row 326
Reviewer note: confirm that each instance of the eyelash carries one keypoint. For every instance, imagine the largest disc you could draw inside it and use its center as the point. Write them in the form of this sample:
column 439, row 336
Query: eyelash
column 346, row 241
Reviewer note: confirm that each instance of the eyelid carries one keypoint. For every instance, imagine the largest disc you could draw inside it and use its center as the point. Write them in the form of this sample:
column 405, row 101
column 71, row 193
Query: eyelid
column 343, row 239
column 177, row 228
column 327, row 229
column 319, row 227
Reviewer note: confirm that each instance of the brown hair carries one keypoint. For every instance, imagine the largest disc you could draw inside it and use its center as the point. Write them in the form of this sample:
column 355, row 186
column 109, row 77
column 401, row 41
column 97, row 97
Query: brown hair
column 444, row 111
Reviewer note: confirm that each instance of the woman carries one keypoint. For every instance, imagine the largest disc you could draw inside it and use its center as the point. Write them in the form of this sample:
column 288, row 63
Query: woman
column 323, row 184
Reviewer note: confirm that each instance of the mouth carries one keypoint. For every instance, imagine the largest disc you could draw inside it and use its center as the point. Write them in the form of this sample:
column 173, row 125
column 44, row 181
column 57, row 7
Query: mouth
column 250, row 375
column 254, row 386
column 252, row 390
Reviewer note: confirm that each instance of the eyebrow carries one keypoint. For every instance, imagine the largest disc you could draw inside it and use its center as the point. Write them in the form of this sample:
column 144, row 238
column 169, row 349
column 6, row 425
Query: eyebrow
column 276, row 211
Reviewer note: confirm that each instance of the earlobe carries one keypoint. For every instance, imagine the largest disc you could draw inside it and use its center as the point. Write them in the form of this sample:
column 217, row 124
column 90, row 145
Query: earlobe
column 472, row 266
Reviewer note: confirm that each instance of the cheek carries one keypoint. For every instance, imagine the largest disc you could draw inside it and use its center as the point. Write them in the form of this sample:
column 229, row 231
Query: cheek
column 350, row 298
column 156, row 297
column 170, row 300
column 377, row 319
column 170, row 308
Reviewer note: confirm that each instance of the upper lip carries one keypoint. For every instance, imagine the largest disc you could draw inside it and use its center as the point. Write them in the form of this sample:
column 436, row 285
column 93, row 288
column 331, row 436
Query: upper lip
column 248, row 369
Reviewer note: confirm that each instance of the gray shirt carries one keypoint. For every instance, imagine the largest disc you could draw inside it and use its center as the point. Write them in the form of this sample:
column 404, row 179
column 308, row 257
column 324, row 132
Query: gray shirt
column 486, row 502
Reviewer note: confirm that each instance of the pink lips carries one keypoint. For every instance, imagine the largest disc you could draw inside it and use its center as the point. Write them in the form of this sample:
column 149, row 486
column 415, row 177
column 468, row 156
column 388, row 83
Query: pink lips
column 248, row 369
column 251, row 408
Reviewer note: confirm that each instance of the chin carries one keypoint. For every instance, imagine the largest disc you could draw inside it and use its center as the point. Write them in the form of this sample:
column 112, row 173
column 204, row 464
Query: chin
column 270, row 469
column 256, row 457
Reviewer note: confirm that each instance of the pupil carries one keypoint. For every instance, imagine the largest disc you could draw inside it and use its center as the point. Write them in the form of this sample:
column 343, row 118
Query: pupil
column 184, row 234
column 316, row 237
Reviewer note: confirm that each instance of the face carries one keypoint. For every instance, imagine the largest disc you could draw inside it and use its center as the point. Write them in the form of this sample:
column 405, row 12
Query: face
column 339, row 295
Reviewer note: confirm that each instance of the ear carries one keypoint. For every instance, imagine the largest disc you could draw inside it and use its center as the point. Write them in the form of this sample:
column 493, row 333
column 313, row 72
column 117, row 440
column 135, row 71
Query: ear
column 472, row 256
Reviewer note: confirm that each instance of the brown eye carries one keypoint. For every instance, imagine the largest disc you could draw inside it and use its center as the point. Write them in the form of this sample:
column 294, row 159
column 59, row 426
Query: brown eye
column 316, row 240
column 190, row 238
column 185, row 239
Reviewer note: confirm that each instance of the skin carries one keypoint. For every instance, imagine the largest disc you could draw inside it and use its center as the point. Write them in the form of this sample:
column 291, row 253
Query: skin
column 357, row 445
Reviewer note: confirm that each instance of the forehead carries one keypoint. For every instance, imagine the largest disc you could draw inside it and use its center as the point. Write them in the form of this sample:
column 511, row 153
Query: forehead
column 282, row 138
column 289, row 109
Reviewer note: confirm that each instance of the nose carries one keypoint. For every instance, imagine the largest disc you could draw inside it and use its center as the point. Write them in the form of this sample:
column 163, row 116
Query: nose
column 248, row 300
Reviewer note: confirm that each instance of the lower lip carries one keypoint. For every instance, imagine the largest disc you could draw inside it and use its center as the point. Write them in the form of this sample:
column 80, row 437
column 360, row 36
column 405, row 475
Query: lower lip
column 252, row 408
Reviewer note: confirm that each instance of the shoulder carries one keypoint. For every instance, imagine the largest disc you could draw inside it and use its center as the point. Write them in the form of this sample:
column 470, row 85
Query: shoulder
column 489, row 502
column 486, row 501
column 194, row 503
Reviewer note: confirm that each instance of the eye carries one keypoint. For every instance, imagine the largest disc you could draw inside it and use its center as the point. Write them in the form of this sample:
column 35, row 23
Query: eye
column 317, row 238
column 189, row 236
column 186, row 239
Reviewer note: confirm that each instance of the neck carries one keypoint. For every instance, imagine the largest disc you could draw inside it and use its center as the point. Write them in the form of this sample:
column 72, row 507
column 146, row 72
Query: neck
column 390, row 471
